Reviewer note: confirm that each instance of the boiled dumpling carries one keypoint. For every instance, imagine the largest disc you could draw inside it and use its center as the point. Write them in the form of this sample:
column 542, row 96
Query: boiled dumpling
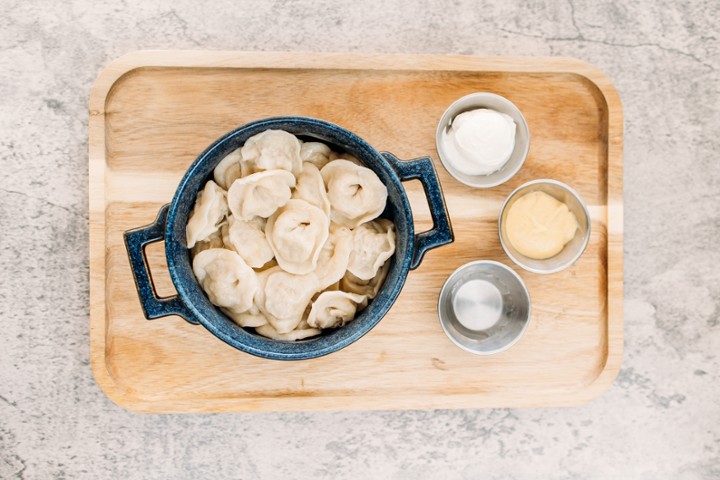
column 346, row 156
column 373, row 244
column 272, row 150
column 356, row 194
column 226, row 279
column 260, row 194
column 334, row 256
column 215, row 240
column 311, row 188
column 283, row 297
column 249, row 318
column 228, row 170
column 331, row 288
column 296, row 233
column 247, row 238
column 316, row 153
column 352, row 158
column 302, row 331
column 334, row 309
column 369, row 288
column 209, row 211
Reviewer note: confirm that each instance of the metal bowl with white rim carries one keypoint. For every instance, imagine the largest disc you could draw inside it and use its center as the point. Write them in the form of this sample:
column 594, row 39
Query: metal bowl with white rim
column 484, row 307
column 499, row 104
column 572, row 251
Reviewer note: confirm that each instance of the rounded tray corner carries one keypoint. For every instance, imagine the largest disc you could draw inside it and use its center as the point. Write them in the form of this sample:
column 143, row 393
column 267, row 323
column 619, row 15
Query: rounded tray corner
column 111, row 389
column 111, row 74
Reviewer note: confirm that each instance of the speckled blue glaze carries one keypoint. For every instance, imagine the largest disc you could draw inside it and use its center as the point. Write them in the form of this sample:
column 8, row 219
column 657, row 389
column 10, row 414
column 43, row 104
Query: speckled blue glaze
column 193, row 305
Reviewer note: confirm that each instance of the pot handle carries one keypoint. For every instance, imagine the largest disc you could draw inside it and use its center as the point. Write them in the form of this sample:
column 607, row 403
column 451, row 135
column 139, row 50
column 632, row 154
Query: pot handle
column 135, row 241
column 441, row 234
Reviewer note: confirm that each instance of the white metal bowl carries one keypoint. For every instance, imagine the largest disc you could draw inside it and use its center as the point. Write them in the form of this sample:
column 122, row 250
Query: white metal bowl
column 499, row 104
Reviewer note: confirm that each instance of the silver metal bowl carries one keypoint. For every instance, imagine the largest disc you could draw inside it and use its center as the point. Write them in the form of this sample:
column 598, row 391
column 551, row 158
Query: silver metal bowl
column 499, row 104
column 484, row 307
column 572, row 250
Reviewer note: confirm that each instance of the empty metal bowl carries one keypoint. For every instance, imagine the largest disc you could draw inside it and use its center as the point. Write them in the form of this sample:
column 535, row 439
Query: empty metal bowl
column 499, row 104
column 484, row 307
column 572, row 250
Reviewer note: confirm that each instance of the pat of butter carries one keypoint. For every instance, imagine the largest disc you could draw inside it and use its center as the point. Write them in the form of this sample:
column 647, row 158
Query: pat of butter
column 539, row 226
column 479, row 142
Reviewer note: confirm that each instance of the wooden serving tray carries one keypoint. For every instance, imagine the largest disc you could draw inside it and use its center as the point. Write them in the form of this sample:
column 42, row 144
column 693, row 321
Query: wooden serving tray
column 152, row 113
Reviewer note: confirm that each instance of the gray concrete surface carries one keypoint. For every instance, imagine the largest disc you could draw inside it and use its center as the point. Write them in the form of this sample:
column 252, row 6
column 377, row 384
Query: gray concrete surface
column 660, row 419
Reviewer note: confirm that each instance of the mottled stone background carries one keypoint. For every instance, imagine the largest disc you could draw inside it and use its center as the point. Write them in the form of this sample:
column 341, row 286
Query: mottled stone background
column 661, row 418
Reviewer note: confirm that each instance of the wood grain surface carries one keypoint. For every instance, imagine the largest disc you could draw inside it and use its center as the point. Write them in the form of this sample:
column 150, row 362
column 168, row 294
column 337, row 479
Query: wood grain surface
column 153, row 112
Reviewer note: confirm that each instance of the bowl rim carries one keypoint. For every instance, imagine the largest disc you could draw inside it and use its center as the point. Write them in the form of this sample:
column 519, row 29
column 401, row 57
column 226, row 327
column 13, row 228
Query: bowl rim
column 586, row 213
column 445, row 119
column 444, row 294
column 256, row 344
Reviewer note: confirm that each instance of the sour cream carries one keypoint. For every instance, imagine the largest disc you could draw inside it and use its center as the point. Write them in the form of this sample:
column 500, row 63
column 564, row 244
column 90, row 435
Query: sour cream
column 479, row 142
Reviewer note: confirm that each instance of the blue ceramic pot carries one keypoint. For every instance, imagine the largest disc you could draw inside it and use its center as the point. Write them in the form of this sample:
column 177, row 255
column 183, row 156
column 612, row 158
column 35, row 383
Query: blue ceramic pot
column 193, row 305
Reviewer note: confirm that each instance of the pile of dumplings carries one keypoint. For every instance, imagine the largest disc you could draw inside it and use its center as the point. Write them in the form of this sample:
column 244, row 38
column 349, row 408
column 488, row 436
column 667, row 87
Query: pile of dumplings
column 286, row 238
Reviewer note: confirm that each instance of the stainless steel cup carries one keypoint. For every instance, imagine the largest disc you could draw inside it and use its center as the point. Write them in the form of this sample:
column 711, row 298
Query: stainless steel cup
column 572, row 250
column 484, row 307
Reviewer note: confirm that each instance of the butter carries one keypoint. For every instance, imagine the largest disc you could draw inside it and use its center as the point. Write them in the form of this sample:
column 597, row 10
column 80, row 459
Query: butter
column 539, row 226
column 479, row 142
